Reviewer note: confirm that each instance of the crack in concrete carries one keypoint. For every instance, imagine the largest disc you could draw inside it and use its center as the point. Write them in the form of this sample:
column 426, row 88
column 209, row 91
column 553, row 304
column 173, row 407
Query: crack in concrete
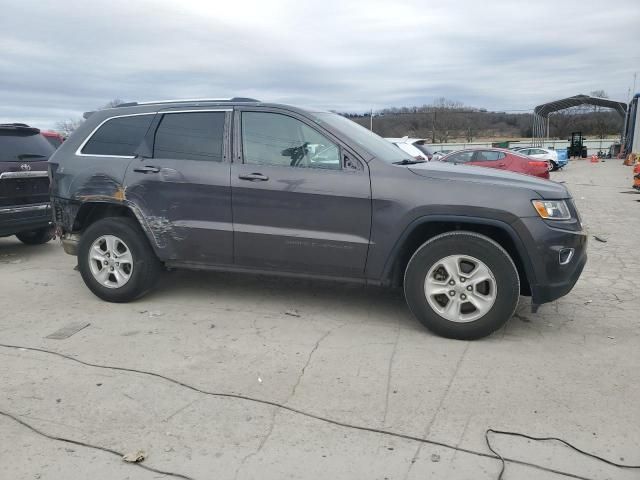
column 389, row 373
column 304, row 368
column 276, row 411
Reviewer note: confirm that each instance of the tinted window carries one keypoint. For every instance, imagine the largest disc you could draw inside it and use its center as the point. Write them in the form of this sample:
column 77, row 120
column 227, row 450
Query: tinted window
column 488, row 156
column 23, row 147
column 275, row 139
column 190, row 136
column 118, row 136
column 460, row 157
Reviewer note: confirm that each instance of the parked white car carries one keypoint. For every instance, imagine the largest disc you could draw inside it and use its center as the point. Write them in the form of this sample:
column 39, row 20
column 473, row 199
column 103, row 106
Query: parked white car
column 419, row 144
column 543, row 153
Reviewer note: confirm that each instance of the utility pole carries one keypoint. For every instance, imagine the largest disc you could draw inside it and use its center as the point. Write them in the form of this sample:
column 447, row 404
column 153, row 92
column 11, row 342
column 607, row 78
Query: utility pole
column 371, row 120
column 433, row 130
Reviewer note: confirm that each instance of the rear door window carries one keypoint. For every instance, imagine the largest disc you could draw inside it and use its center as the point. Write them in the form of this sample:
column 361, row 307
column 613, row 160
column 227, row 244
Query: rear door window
column 191, row 136
column 119, row 136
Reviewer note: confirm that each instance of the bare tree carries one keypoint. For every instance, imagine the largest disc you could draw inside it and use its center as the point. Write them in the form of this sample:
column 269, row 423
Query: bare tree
column 114, row 103
column 66, row 127
column 599, row 94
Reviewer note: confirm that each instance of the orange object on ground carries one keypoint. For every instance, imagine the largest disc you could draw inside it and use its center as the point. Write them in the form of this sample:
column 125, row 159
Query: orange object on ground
column 636, row 176
column 594, row 159
column 630, row 160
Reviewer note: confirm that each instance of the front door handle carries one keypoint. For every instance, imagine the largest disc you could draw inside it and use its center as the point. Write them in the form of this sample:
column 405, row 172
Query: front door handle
column 502, row 164
column 147, row 169
column 254, row 177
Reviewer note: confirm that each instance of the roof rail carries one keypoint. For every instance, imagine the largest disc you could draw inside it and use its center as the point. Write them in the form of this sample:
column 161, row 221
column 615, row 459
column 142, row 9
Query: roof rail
column 191, row 100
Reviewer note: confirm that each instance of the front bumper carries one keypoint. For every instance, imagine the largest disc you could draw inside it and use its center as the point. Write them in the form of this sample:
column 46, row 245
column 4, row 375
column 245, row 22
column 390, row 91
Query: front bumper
column 23, row 218
column 549, row 248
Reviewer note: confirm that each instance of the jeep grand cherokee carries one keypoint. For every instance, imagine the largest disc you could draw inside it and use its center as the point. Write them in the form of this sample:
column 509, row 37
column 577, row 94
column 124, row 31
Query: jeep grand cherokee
column 247, row 186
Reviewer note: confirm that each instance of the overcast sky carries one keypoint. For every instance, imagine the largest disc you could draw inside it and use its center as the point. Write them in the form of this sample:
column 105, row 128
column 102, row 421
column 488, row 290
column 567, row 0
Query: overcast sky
column 58, row 59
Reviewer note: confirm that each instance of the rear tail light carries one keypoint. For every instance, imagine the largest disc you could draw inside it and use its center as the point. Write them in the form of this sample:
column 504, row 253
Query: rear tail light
column 538, row 164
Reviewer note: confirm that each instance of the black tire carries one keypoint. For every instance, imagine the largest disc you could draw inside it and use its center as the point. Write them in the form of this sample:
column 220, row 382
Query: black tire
column 36, row 237
column 475, row 245
column 146, row 266
column 554, row 166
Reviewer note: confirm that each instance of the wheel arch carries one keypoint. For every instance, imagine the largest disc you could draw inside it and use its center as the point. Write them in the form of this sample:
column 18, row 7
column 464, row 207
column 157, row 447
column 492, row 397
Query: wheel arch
column 424, row 228
column 90, row 212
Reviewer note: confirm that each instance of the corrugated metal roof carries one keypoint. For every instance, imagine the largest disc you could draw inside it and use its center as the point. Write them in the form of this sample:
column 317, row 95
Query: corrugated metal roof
column 546, row 108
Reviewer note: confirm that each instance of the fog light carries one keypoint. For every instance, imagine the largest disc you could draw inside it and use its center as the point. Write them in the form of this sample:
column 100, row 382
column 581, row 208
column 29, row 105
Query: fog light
column 565, row 255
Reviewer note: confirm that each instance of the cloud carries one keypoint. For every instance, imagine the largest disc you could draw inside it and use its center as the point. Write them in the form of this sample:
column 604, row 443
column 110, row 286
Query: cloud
column 58, row 60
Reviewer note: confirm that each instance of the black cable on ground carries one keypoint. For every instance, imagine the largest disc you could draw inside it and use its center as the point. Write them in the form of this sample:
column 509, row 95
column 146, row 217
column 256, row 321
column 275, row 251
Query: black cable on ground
column 338, row 423
column 95, row 447
column 545, row 439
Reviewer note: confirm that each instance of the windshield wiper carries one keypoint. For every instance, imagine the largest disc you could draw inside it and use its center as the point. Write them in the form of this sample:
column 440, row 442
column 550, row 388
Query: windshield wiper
column 409, row 161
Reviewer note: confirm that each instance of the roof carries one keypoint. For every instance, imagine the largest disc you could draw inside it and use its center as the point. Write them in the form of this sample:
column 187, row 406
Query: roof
column 546, row 108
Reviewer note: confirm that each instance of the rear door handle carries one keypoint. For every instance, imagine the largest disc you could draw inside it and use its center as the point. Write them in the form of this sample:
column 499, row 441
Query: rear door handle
column 254, row 177
column 147, row 169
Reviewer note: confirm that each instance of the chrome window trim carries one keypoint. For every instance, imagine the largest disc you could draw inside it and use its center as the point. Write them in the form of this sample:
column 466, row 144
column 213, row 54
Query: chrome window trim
column 86, row 140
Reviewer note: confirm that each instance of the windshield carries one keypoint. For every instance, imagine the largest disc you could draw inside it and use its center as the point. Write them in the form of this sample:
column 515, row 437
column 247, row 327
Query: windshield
column 371, row 142
column 20, row 147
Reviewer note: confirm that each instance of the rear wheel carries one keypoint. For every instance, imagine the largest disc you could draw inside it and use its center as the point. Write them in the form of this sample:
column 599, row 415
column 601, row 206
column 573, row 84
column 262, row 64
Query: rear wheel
column 116, row 261
column 462, row 285
column 36, row 237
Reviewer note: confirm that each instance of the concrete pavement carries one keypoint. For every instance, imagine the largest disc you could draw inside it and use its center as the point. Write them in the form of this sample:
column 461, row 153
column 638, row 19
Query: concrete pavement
column 351, row 354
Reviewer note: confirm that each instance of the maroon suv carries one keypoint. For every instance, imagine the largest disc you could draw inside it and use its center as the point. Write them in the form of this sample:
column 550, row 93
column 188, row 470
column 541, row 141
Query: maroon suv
column 24, row 184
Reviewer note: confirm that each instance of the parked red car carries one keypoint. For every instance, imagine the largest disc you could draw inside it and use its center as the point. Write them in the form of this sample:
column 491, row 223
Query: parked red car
column 500, row 158
column 54, row 138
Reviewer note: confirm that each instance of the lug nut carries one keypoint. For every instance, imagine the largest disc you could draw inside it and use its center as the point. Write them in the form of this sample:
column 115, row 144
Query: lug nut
column 117, row 264
column 451, row 282
column 462, row 279
column 111, row 269
column 106, row 263
column 463, row 296
column 469, row 287
column 452, row 293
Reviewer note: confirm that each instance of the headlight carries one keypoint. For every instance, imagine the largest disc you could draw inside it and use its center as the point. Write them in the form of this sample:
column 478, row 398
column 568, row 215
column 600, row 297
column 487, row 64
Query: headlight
column 552, row 209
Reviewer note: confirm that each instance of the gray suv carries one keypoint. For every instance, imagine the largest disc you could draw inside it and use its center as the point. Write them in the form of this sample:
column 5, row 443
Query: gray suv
column 245, row 186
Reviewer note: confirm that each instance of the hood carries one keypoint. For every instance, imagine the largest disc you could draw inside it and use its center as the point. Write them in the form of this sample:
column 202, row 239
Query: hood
column 491, row 177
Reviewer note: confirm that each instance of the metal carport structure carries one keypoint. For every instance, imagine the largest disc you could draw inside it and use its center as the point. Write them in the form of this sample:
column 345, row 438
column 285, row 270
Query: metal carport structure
column 541, row 113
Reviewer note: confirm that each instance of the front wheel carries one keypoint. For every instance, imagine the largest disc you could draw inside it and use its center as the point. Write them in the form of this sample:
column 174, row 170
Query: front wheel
column 116, row 261
column 462, row 285
column 553, row 166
